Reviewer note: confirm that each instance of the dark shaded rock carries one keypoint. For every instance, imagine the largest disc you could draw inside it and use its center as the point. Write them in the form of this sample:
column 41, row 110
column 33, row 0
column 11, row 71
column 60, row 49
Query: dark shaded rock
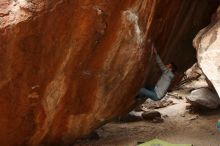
column 151, row 115
column 93, row 136
column 130, row 117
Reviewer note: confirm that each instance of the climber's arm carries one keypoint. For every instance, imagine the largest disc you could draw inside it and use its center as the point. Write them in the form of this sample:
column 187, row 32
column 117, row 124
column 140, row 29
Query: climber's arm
column 160, row 63
column 158, row 60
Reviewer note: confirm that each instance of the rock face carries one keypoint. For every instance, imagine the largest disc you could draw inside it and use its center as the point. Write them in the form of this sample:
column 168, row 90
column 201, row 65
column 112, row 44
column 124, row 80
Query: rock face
column 69, row 66
column 207, row 43
column 194, row 78
column 201, row 96
column 204, row 97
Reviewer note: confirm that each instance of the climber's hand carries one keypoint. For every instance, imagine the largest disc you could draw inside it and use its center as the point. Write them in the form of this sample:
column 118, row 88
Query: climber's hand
column 153, row 49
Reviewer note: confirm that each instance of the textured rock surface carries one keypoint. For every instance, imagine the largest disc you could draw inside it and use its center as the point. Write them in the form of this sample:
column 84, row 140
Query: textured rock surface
column 69, row 66
column 204, row 97
column 194, row 78
column 207, row 43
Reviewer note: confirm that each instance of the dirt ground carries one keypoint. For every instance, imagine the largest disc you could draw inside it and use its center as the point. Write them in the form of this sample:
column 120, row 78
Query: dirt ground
column 179, row 127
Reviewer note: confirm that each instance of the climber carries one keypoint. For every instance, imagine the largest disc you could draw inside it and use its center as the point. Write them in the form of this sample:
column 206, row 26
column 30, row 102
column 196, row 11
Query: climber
column 162, row 85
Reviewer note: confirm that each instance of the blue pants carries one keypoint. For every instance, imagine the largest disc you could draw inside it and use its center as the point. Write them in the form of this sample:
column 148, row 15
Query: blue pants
column 149, row 93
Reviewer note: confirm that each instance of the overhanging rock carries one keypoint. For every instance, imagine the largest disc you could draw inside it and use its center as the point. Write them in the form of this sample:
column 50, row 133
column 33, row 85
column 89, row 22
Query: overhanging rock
column 69, row 66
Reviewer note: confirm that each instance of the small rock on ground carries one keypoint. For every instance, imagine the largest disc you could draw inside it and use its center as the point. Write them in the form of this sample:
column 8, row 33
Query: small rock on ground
column 151, row 115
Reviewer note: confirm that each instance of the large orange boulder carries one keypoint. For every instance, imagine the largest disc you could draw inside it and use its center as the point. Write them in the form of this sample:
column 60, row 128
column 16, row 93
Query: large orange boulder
column 69, row 66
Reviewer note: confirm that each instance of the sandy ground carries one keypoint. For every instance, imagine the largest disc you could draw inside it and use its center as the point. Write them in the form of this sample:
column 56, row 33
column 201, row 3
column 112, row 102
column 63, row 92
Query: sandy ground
column 179, row 127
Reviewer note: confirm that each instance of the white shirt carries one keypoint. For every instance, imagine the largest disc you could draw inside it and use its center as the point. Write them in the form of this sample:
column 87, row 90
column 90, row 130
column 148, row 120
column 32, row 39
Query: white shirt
column 164, row 82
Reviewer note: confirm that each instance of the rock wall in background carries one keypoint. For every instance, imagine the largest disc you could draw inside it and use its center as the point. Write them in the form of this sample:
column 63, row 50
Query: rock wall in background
column 69, row 66
column 207, row 43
